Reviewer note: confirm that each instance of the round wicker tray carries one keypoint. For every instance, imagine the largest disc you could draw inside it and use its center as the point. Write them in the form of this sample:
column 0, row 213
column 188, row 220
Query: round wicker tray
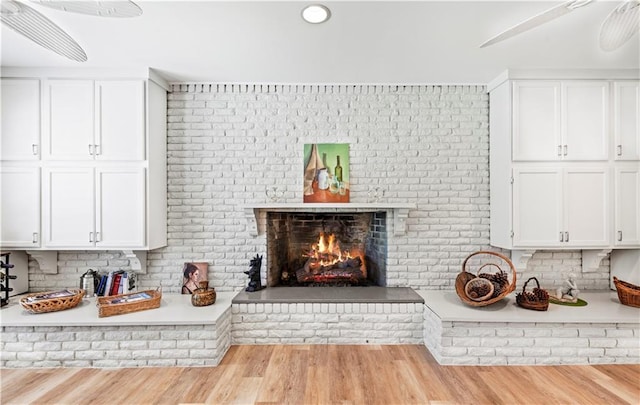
column 467, row 275
column 36, row 305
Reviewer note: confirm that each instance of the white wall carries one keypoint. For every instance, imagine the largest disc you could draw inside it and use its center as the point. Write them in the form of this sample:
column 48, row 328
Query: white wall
column 427, row 145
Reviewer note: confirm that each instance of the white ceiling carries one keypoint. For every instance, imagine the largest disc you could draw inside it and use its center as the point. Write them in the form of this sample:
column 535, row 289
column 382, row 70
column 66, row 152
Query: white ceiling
column 363, row 42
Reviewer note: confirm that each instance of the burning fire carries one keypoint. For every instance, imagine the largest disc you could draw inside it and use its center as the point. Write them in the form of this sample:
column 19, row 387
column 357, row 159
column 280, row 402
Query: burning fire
column 327, row 251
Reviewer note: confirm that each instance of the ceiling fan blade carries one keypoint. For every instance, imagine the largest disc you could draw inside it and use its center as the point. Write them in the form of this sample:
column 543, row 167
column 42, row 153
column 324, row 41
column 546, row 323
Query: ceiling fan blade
column 118, row 9
column 38, row 28
column 620, row 25
column 544, row 17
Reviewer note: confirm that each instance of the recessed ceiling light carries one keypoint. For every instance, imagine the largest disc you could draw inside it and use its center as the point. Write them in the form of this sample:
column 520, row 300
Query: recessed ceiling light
column 316, row 14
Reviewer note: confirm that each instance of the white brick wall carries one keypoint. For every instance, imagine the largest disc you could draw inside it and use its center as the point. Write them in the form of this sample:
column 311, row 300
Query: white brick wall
column 226, row 143
column 327, row 323
column 519, row 343
column 116, row 346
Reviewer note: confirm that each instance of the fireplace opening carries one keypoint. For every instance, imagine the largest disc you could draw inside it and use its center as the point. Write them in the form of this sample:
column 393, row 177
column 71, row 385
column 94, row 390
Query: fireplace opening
column 326, row 249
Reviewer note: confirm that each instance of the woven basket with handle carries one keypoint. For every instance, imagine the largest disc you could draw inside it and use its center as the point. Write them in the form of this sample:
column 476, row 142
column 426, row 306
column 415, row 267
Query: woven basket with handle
column 481, row 261
column 537, row 300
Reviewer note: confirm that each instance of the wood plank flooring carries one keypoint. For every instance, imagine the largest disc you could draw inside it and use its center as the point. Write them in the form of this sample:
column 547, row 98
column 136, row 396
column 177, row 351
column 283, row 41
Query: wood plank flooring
column 326, row 374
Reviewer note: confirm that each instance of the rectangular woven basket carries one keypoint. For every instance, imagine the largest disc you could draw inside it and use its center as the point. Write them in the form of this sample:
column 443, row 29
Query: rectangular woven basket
column 117, row 305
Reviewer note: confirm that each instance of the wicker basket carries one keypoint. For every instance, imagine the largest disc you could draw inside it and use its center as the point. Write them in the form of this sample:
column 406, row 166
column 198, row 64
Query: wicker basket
column 36, row 305
column 120, row 304
column 468, row 275
column 479, row 284
column 538, row 300
column 628, row 294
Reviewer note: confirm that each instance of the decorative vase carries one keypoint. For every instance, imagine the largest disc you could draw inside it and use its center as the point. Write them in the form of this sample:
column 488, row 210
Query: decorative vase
column 203, row 295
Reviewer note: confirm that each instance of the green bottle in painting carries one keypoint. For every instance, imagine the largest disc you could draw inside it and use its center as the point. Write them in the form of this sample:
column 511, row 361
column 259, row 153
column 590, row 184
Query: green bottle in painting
column 338, row 170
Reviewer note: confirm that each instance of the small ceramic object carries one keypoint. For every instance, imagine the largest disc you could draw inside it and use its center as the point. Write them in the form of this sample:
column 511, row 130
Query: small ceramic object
column 203, row 295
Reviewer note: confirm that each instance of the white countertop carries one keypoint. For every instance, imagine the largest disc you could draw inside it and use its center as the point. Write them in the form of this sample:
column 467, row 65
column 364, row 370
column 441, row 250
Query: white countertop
column 602, row 307
column 175, row 309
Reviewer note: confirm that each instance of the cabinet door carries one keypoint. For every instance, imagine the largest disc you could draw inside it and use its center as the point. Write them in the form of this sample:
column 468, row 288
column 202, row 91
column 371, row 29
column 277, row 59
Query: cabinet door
column 120, row 125
column 626, row 120
column 585, row 112
column 69, row 207
column 586, row 207
column 537, row 207
column 536, row 120
column 20, row 119
column 120, row 219
column 69, row 120
column 627, row 201
column 19, row 207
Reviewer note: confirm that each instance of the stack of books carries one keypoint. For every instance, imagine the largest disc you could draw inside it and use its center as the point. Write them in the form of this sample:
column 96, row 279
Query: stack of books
column 114, row 283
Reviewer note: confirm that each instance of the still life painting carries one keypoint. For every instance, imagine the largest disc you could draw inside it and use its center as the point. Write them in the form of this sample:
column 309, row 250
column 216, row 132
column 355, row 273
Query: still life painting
column 192, row 275
column 326, row 173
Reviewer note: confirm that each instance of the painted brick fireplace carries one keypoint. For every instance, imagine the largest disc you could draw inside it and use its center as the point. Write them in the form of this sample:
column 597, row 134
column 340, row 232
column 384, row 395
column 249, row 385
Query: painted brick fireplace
column 427, row 145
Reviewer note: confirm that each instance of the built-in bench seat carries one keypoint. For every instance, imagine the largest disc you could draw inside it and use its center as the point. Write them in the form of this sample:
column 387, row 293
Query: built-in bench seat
column 178, row 334
column 175, row 334
column 604, row 331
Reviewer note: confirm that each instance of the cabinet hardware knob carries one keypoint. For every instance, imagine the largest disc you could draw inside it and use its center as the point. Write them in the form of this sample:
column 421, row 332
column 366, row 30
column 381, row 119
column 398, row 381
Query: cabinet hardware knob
column 619, row 236
column 34, row 149
column 35, row 237
column 90, row 237
column 559, row 150
column 91, row 149
column 97, row 236
column 619, row 147
column 566, row 236
column 98, row 149
column 565, row 150
column 561, row 236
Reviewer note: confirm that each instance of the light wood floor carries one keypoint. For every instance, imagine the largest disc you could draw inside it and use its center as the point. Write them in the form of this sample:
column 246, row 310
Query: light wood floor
column 326, row 374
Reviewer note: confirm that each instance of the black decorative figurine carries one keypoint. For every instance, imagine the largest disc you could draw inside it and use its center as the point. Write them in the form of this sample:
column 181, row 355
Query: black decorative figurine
column 254, row 275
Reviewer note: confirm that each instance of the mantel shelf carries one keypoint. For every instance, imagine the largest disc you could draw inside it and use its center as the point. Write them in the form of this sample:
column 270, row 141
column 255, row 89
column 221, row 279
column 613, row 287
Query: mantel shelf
column 400, row 212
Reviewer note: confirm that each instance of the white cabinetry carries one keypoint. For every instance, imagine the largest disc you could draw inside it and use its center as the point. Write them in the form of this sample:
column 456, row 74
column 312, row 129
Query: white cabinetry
column 94, row 207
column 103, row 162
column 20, row 210
column 564, row 163
column 627, row 209
column 101, row 120
column 626, row 115
column 20, row 116
column 560, row 207
column 555, row 120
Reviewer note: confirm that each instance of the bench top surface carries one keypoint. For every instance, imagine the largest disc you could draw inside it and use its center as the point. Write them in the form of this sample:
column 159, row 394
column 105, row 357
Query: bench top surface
column 175, row 309
column 602, row 307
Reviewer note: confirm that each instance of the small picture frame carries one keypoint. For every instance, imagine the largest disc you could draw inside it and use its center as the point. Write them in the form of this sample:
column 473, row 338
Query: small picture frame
column 192, row 274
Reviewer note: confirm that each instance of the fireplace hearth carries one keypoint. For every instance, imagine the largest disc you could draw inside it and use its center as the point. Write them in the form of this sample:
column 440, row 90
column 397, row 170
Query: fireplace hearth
column 326, row 249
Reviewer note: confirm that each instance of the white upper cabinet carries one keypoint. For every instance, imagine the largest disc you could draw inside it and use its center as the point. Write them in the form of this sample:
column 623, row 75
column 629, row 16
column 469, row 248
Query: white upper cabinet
column 101, row 120
column 536, row 120
column 564, row 161
column 20, row 117
column 560, row 120
column 20, row 210
column 560, row 207
column 627, row 210
column 69, row 207
column 585, row 123
column 68, row 119
column 83, row 160
column 101, row 207
column 537, row 202
column 120, row 120
column 626, row 120
column 120, row 207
